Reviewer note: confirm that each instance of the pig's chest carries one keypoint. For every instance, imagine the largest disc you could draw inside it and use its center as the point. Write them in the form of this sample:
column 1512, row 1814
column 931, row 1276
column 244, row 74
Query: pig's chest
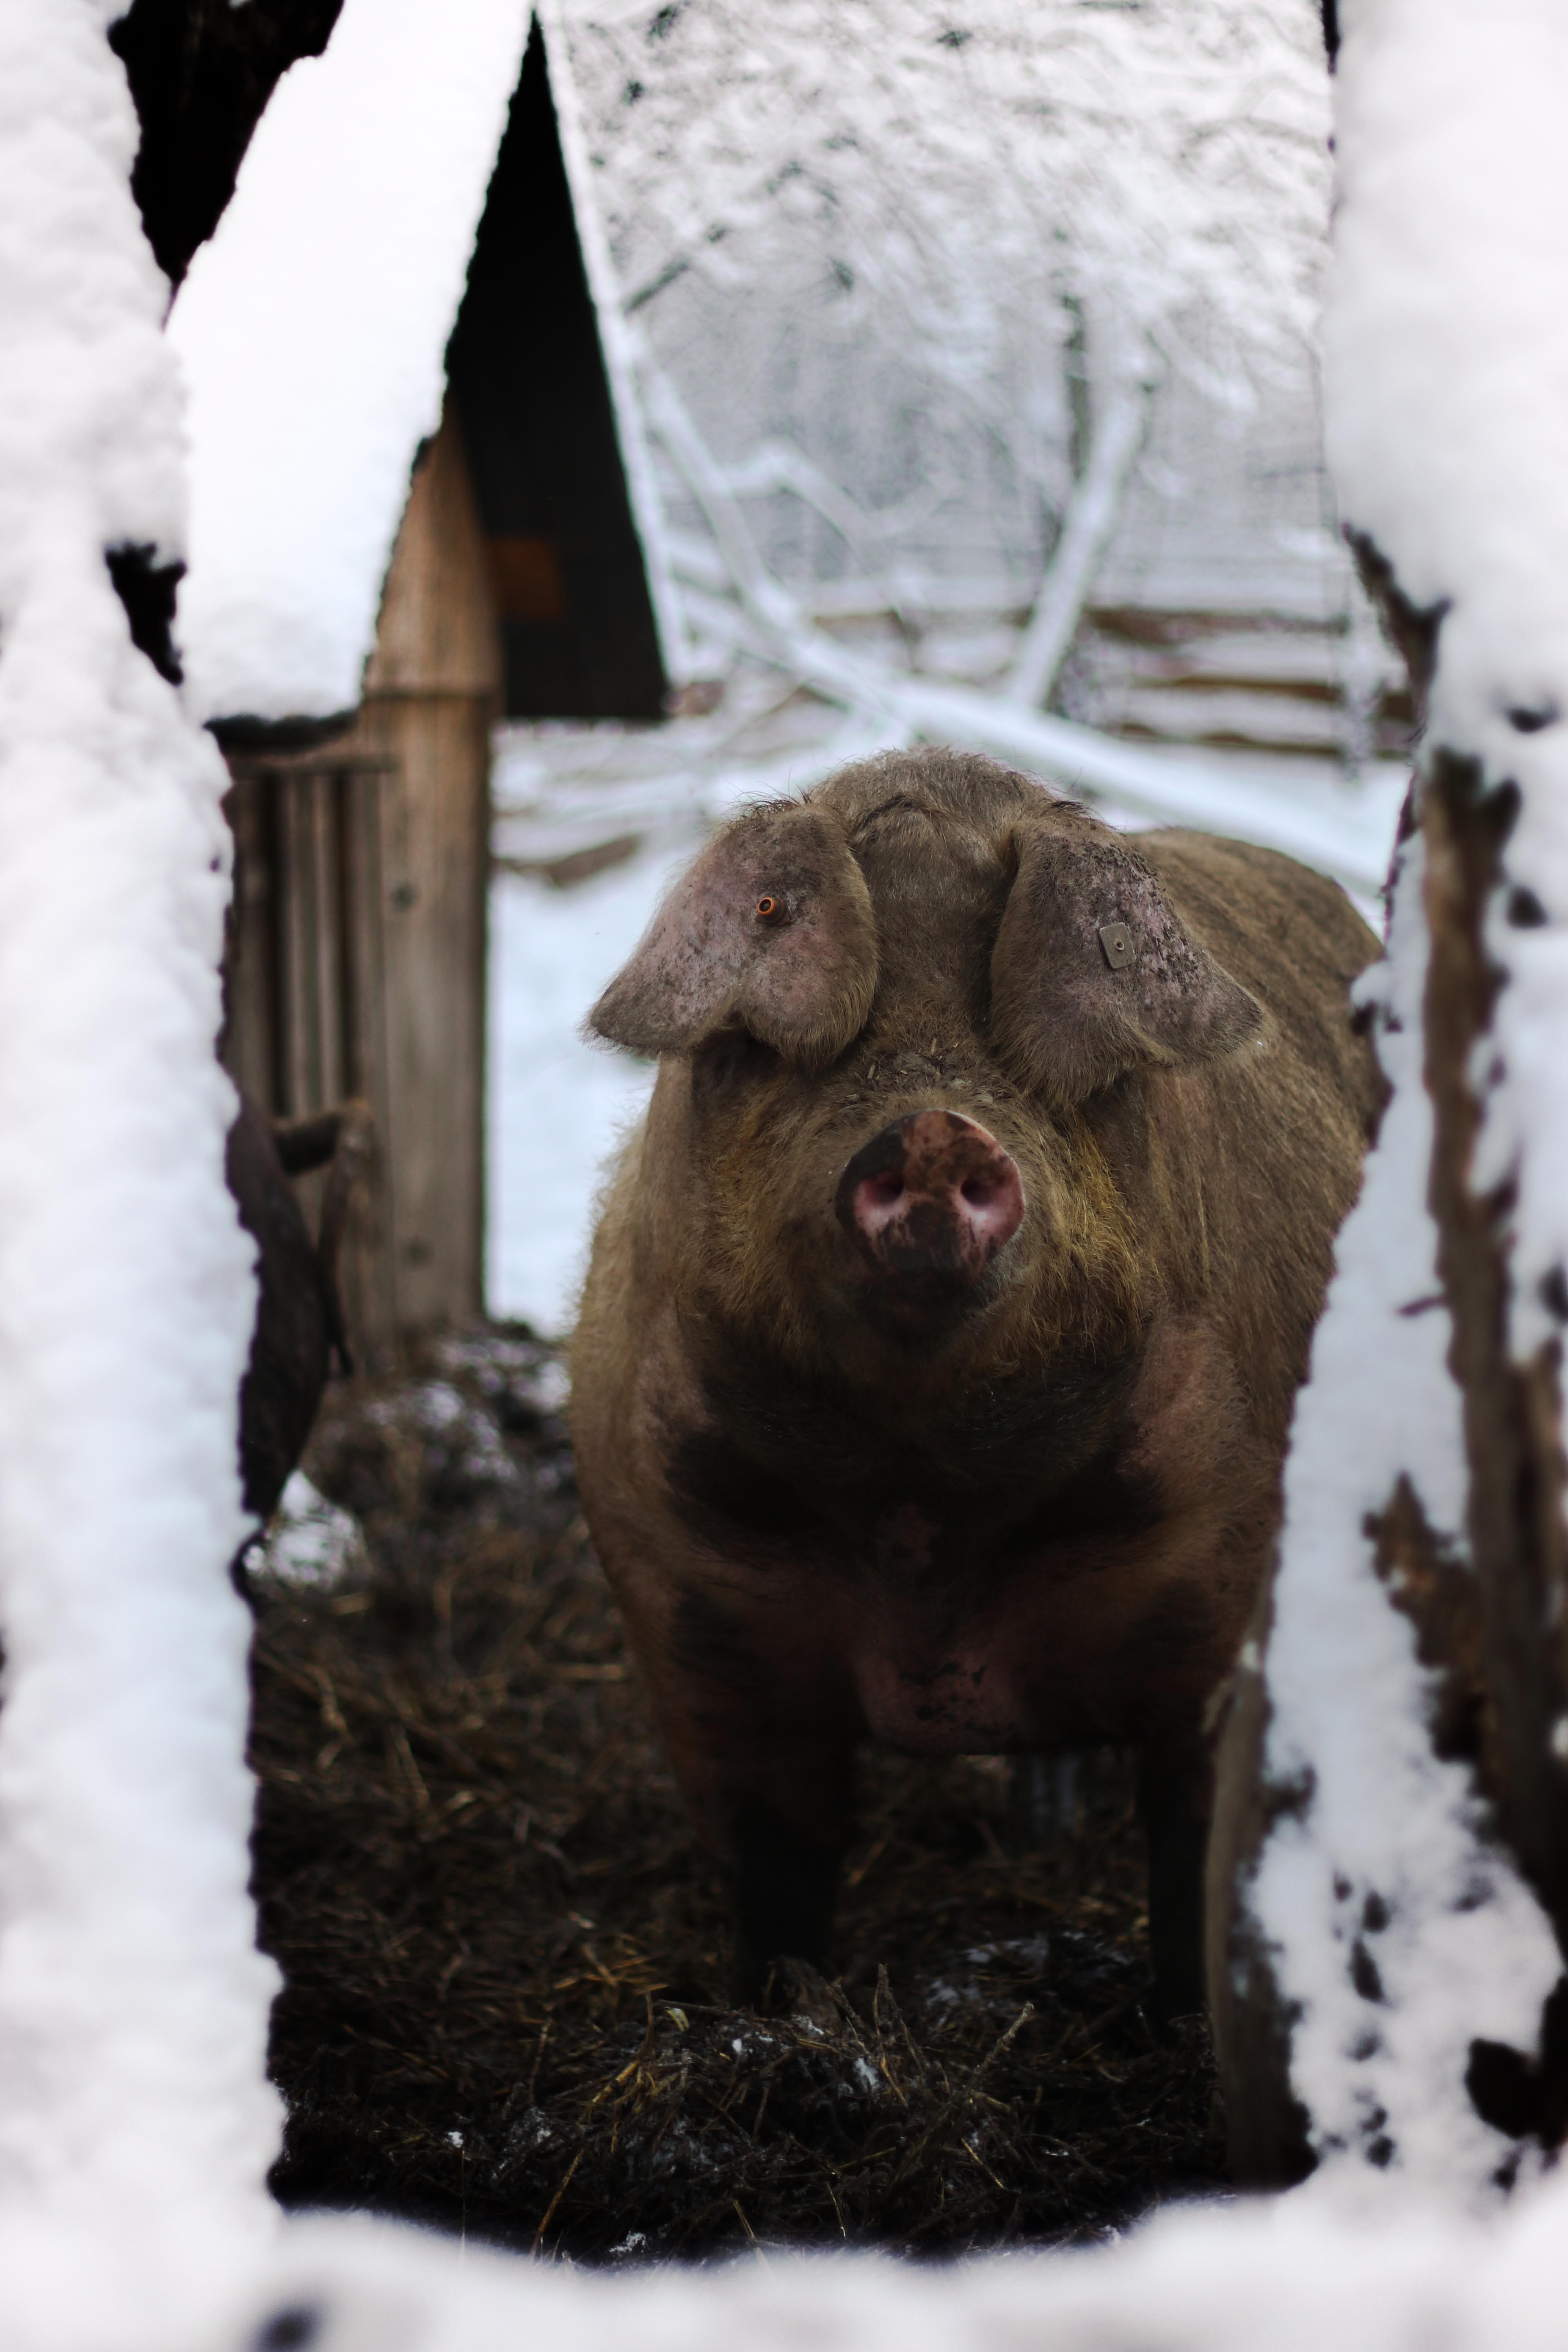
column 950, row 1623
column 1048, row 1577
column 1016, row 1651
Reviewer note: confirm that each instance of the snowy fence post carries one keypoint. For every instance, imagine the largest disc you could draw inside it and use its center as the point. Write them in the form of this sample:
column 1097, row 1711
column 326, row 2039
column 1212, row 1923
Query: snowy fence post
column 1409, row 1844
column 133, row 2107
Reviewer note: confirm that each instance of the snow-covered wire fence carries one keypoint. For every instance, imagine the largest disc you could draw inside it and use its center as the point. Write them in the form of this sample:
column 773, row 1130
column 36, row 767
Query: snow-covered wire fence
column 883, row 252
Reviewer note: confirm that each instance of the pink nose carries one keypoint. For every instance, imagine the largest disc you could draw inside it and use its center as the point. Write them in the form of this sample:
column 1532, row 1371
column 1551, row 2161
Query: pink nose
column 933, row 1193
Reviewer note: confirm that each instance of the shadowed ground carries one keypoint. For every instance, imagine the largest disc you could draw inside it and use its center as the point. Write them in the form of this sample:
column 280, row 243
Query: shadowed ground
column 505, row 1955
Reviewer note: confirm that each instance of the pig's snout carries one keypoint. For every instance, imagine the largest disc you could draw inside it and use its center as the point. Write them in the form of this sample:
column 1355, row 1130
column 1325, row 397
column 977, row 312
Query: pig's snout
column 934, row 1193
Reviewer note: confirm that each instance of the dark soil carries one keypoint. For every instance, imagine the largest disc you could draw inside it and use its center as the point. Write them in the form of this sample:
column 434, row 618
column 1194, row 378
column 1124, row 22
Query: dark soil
column 505, row 1955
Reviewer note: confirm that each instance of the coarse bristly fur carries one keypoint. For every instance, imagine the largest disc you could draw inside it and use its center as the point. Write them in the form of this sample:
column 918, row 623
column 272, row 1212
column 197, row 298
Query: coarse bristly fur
column 1029, row 1509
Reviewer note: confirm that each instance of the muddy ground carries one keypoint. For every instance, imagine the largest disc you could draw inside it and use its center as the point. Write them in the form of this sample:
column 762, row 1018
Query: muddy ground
column 505, row 1956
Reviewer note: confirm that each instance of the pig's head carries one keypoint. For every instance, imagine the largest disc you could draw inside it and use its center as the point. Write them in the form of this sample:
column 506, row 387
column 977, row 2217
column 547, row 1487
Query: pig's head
column 890, row 1018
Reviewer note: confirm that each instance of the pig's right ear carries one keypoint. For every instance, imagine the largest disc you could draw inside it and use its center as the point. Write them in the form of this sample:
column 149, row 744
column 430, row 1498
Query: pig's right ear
column 770, row 930
column 1094, row 972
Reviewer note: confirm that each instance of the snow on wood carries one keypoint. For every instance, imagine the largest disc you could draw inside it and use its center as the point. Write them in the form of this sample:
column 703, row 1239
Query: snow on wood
column 1400, row 1932
column 313, row 329
column 132, row 2000
column 1400, row 1924
column 1451, row 316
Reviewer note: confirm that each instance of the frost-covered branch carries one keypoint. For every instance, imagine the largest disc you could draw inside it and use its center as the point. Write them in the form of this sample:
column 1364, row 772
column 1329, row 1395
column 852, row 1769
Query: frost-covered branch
column 1168, row 154
column 780, row 465
column 866, row 234
column 770, row 623
column 1091, row 516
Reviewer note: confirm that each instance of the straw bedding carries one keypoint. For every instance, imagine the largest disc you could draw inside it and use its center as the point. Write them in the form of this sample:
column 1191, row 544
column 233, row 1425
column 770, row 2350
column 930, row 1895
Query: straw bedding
column 505, row 1956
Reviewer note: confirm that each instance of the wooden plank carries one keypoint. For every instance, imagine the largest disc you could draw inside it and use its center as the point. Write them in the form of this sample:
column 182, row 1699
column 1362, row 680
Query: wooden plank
column 435, row 850
column 249, row 1046
column 296, row 959
column 439, row 632
column 370, row 1295
column 321, row 794
column 433, row 688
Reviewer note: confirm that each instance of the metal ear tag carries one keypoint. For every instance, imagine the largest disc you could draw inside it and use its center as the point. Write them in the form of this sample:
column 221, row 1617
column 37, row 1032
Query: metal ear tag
column 1117, row 941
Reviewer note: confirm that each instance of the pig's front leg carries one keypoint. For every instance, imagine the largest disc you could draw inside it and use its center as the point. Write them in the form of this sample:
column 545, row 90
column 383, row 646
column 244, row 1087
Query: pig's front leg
column 1176, row 1798
column 784, row 1879
column 778, row 1816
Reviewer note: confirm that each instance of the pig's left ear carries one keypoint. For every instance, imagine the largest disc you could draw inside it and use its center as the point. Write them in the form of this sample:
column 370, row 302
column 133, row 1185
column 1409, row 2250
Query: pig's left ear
column 1093, row 973
column 770, row 930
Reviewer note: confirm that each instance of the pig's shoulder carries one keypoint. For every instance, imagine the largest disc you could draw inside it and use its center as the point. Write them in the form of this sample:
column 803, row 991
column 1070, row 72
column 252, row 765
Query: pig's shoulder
column 1242, row 899
column 1291, row 937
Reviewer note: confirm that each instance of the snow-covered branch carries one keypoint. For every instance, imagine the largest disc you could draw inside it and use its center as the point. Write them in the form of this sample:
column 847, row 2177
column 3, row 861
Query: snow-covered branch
column 1092, row 514
column 770, row 623
column 918, row 164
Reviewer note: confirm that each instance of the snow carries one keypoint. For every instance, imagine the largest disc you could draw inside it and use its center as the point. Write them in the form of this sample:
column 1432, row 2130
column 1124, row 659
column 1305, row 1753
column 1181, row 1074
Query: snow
column 135, row 2122
column 311, row 1543
column 1255, row 2276
column 313, row 329
column 1447, row 342
column 1465, row 1949
column 1453, row 301
column 132, row 2000
column 558, row 1106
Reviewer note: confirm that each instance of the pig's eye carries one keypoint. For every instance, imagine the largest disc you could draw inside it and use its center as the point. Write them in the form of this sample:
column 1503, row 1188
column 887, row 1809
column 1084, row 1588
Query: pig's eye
column 768, row 910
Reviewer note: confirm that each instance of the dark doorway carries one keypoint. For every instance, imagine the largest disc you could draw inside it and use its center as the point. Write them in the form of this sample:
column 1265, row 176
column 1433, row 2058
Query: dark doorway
column 526, row 371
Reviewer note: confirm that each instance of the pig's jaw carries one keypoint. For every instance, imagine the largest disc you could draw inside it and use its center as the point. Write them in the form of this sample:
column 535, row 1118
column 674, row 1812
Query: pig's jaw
column 921, row 1309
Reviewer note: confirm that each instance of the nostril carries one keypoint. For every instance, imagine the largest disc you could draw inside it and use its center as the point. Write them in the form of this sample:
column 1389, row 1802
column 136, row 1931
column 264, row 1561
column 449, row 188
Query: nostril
column 990, row 1201
column 878, row 1200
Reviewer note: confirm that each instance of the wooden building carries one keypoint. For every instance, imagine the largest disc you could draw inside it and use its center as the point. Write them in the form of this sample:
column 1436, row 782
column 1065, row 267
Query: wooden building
column 357, row 964
column 515, row 587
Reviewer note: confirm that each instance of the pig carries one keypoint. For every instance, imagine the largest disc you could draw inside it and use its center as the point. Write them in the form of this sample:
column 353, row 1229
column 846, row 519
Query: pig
column 936, row 1355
